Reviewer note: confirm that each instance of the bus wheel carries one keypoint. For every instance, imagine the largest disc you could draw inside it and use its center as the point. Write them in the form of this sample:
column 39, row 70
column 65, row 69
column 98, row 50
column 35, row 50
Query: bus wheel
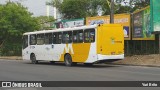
column 33, row 59
column 68, row 60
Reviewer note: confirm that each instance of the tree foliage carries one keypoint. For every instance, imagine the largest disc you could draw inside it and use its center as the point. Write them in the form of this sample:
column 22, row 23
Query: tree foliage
column 80, row 8
column 83, row 8
column 74, row 9
column 45, row 21
column 96, row 6
column 141, row 4
column 14, row 21
column 132, row 5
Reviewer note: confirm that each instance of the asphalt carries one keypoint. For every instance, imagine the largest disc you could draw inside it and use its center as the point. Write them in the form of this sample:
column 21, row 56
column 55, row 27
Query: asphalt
column 13, row 70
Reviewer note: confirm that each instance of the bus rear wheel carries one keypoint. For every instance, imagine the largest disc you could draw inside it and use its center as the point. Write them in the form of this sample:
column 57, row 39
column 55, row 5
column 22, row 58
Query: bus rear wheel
column 68, row 60
column 33, row 59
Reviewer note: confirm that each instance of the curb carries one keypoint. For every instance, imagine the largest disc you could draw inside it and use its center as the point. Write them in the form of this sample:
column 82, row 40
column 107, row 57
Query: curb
column 135, row 65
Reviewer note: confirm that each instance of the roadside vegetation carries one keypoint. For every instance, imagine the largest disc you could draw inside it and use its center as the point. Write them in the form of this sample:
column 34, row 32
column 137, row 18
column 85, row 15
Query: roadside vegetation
column 15, row 19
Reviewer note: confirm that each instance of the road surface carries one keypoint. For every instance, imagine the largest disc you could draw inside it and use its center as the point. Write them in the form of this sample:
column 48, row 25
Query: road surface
column 17, row 70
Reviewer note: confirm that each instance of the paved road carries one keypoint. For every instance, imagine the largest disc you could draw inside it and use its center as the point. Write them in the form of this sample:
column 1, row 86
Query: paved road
column 12, row 70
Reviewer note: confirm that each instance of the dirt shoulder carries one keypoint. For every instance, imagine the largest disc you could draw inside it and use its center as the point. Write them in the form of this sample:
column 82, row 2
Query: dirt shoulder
column 146, row 60
column 11, row 57
column 142, row 60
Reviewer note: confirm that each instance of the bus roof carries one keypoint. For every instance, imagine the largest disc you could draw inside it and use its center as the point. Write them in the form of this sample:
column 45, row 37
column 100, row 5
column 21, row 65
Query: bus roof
column 61, row 29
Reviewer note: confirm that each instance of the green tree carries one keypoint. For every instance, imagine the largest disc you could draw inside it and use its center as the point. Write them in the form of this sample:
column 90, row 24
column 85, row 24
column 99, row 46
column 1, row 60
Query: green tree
column 45, row 22
column 96, row 5
column 141, row 4
column 74, row 8
column 14, row 21
column 83, row 8
column 131, row 5
column 80, row 8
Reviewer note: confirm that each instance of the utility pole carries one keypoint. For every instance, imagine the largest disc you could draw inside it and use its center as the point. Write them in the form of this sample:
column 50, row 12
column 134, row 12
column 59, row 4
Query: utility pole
column 112, row 11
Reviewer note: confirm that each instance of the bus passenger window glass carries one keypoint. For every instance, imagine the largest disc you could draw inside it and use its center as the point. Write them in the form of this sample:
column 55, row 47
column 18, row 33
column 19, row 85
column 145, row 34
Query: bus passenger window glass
column 70, row 37
column 59, row 38
column 80, row 36
column 92, row 35
column 40, row 39
column 64, row 37
column 67, row 37
column 48, row 38
column 54, row 37
column 25, row 41
column 75, row 36
column 86, row 36
column 89, row 35
column 33, row 40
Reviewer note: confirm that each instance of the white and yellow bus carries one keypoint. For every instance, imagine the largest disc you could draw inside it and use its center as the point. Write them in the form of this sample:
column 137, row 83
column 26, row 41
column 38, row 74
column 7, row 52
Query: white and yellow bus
column 85, row 44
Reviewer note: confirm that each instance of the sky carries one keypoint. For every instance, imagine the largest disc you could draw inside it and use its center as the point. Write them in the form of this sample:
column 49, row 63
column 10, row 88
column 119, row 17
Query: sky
column 37, row 7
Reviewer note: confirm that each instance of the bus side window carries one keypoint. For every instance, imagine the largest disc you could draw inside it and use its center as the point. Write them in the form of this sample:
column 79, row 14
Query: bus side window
column 54, row 37
column 89, row 35
column 70, row 36
column 92, row 35
column 75, row 36
column 59, row 38
column 80, row 36
column 64, row 37
column 48, row 38
column 25, row 41
column 33, row 39
column 86, row 36
column 40, row 39
column 67, row 37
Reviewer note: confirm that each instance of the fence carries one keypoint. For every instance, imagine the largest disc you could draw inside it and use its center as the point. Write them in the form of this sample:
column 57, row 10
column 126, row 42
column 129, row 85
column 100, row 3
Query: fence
column 142, row 47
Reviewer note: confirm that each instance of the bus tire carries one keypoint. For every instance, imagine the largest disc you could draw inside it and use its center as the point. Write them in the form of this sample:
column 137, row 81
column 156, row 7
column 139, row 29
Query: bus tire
column 33, row 59
column 68, row 60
